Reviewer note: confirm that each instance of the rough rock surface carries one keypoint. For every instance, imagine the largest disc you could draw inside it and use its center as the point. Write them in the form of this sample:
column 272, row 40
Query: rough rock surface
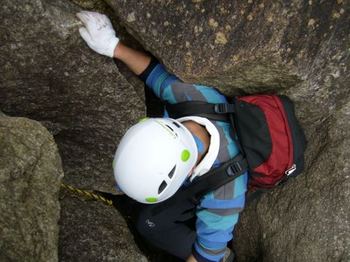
column 100, row 234
column 30, row 175
column 309, row 218
column 49, row 74
column 250, row 45
column 298, row 48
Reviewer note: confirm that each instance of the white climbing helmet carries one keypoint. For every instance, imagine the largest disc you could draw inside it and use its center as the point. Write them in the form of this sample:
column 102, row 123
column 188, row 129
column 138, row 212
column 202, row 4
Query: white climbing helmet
column 153, row 159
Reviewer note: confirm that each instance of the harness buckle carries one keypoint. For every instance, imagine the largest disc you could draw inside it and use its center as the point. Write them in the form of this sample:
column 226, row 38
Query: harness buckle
column 234, row 169
column 224, row 108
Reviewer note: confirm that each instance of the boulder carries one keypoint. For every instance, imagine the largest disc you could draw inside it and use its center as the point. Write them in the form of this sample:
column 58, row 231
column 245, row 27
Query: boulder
column 92, row 231
column 30, row 175
column 49, row 74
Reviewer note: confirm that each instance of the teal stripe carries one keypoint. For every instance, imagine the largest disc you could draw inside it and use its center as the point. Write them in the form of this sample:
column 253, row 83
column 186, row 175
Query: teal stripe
column 159, row 82
column 240, row 186
column 209, row 196
column 211, row 249
column 210, row 94
column 231, row 144
column 168, row 95
column 217, row 222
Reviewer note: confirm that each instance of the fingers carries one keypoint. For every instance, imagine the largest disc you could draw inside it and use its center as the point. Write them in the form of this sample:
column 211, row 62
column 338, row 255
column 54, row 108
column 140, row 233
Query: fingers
column 83, row 17
column 92, row 17
column 103, row 19
column 106, row 20
column 94, row 22
column 85, row 35
column 89, row 21
column 98, row 32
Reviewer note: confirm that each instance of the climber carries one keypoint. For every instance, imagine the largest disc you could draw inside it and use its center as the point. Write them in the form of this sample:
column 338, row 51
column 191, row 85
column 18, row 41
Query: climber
column 157, row 156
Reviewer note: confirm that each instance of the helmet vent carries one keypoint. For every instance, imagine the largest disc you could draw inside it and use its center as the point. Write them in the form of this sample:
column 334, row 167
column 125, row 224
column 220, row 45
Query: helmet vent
column 170, row 128
column 171, row 173
column 176, row 124
column 162, row 187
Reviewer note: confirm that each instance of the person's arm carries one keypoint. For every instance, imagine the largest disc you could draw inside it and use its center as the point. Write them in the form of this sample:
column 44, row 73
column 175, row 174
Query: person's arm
column 191, row 258
column 216, row 219
column 135, row 60
column 100, row 36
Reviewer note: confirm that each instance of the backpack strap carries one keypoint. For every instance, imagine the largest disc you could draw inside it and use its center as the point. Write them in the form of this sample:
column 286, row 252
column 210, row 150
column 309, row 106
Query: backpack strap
column 216, row 112
column 219, row 176
column 206, row 183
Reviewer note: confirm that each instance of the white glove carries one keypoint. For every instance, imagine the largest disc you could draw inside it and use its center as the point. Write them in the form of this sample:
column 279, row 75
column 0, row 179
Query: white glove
column 98, row 32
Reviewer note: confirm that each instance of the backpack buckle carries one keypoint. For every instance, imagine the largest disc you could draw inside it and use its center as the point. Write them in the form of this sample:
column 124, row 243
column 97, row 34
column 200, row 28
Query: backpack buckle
column 224, row 108
column 289, row 171
column 234, row 169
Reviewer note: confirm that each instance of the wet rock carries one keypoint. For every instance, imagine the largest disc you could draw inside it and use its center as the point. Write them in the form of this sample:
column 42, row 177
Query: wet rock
column 30, row 175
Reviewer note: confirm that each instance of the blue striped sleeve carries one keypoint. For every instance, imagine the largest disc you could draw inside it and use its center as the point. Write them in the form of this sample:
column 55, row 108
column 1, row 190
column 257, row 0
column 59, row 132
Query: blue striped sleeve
column 159, row 79
column 216, row 219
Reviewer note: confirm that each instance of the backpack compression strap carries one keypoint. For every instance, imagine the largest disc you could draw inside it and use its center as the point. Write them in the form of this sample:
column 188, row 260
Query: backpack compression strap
column 216, row 112
column 206, row 183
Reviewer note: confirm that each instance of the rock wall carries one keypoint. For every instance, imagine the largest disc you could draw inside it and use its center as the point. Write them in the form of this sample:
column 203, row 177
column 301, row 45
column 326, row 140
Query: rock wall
column 91, row 231
column 298, row 48
column 49, row 74
column 308, row 219
column 30, row 175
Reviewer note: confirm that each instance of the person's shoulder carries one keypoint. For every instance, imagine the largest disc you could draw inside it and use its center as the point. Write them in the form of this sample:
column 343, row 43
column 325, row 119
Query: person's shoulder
column 197, row 92
column 180, row 84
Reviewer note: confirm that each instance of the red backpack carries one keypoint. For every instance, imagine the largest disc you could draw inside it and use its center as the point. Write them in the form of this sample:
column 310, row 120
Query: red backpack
column 270, row 138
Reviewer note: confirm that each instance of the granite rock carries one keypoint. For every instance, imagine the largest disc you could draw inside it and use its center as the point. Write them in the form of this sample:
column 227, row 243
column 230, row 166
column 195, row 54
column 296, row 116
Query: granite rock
column 92, row 231
column 308, row 219
column 49, row 74
column 30, row 175
column 298, row 48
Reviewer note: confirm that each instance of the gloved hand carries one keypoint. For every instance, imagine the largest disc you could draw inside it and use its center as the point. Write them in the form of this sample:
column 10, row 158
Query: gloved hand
column 98, row 32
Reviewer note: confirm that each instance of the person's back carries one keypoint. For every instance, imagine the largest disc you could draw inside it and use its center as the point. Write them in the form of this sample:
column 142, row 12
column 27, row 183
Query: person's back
column 219, row 210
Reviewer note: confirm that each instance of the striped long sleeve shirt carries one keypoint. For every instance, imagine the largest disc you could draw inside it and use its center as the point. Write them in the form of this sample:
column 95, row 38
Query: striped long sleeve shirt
column 218, row 211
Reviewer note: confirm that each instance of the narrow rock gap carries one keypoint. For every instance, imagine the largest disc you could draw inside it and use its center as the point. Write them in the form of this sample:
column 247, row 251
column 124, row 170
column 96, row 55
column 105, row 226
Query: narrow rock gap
column 153, row 254
column 294, row 49
column 102, row 7
column 247, row 81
